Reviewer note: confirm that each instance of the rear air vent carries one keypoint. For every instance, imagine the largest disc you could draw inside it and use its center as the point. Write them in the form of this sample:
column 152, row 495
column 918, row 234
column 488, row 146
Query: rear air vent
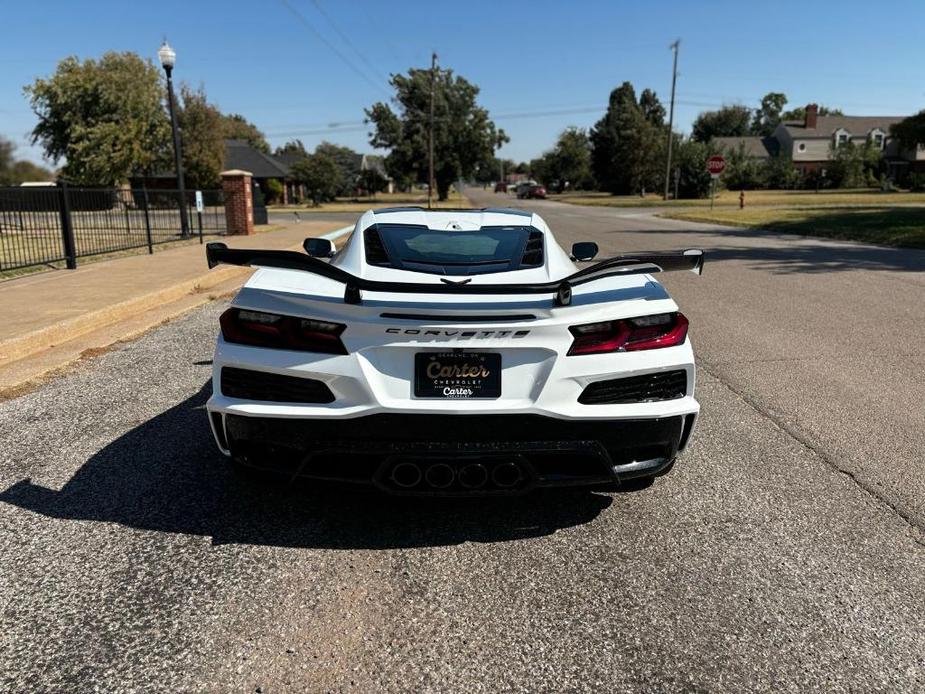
column 375, row 250
column 662, row 385
column 259, row 385
column 533, row 251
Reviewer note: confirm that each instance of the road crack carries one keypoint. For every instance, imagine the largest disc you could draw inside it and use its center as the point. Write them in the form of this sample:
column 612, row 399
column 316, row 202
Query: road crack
column 804, row 439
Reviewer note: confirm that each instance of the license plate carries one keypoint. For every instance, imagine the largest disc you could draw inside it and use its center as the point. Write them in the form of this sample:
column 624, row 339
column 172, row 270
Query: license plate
column 457, row 375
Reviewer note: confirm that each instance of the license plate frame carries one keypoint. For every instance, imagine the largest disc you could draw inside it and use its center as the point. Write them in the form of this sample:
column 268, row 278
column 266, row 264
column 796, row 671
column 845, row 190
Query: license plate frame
column 472, row 375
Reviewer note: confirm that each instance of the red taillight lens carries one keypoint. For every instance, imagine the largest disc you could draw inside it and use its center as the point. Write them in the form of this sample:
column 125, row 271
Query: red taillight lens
column 629, row 335
column 260, row 329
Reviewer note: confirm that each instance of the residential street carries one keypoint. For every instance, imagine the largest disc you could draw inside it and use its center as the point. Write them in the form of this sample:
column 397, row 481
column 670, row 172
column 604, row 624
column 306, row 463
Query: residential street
column 784, row 553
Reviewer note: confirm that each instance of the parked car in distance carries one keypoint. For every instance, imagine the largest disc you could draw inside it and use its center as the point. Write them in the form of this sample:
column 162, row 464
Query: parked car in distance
column 531, row 190
column 500, row 187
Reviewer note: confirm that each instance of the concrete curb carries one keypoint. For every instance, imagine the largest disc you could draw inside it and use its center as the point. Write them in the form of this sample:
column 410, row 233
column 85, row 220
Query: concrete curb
column 23, row 346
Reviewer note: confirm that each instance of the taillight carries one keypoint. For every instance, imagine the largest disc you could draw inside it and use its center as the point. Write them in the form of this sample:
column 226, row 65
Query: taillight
column 630, row 334
column 259, row 329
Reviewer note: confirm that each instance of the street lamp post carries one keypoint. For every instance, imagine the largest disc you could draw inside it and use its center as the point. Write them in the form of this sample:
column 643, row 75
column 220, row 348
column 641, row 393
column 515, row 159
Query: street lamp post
column 168, row 57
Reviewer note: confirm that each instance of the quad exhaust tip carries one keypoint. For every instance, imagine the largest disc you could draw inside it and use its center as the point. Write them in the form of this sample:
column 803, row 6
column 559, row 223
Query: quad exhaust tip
column 506, row 475
column 406, row 475
column 473, row 475
column 440, row 475
column 443, row 476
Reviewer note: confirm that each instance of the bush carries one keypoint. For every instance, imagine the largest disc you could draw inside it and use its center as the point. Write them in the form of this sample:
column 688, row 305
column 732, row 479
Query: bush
column 273, row 190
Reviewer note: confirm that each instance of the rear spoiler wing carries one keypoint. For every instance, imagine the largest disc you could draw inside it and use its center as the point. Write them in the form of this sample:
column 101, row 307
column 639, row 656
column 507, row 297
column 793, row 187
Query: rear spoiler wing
column 644, row 263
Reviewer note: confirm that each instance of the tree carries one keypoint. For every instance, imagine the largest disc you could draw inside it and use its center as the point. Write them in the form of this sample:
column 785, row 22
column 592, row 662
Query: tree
column 6, row 159
column 237, row 127
column 372, row 181
column 200, row 126
column 799, row 113
column 627, row 149
column 852, row 165
column 105, row 118
column 568, row 164
column 910, row 131
column 691, row 163
column 767, row 116
column 292, row 147
column 728, row 121
column 348, row 162
column 743, row 172
column 464, row 135
column 320, row 175
column 779, row 173
column 651, row 107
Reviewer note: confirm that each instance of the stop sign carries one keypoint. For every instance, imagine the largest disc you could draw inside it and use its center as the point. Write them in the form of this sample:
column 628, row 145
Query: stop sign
column 716, row 165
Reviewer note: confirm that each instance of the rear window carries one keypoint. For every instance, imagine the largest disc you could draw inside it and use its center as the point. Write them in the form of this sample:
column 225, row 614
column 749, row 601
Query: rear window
column 452, row 252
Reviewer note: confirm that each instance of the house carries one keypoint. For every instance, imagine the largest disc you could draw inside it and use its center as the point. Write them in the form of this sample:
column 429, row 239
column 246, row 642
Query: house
column 755, row 147
column 809, row 143
column 240, row 154
column 376, row 162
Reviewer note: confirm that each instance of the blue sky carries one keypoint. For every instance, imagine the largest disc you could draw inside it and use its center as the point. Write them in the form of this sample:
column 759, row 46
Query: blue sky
column 541, row 65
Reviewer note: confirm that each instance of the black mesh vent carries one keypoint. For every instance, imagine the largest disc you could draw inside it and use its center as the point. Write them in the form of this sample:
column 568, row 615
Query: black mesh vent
column 662, row 385
column 533, row 251
column 375, row 250
column 258, row 385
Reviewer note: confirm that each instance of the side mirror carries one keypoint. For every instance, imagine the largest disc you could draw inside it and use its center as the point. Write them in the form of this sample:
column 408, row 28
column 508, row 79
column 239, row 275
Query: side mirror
column 584, row 250
column 318, row 248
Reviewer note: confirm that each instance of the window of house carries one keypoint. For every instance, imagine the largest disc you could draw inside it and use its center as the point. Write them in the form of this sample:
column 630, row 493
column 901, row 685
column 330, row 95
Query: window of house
column 842, row 139
column 801, row 147
column 877, row 138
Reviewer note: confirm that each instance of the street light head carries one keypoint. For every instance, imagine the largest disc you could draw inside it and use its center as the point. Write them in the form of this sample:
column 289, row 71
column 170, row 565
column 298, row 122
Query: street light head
column 167, row 55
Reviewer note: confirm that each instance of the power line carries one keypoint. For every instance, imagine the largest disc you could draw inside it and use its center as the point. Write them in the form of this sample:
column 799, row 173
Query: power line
column 343, row 37
column 308, row 25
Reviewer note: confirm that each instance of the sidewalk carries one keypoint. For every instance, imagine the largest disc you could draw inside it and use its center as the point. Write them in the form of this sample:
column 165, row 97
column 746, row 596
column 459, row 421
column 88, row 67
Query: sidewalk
column 41, row 313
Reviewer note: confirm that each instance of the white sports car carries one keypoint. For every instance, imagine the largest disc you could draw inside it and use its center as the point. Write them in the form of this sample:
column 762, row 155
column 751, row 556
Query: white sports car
column 453, row 352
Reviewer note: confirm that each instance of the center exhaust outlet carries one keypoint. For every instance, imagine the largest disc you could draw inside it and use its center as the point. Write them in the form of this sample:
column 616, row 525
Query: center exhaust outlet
column 506, row 474
column 440, row 475
column 406, row 475
column 473, row 476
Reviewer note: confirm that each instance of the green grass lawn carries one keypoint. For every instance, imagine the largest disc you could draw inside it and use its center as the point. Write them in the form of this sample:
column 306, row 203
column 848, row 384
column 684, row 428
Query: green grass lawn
column 730, row 198
column 890, row 226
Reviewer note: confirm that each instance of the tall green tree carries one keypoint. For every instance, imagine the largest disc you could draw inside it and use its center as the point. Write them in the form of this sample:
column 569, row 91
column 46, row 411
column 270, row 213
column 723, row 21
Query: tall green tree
column 320, row 175
column 627, row 148
column 910, row 131
column 292, row 147
column 767, row 115
column 464, row 135
column 728, row 121
column 201, row 135
column 104, row 117
column 691, row 163
column 743, row 172
column 568, row 164
column 651, row 107
column 237, row 127
column 348, row 162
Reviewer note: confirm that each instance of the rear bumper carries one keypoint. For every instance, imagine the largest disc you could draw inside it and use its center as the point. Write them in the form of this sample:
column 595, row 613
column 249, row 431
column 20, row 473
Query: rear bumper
column 547, row 451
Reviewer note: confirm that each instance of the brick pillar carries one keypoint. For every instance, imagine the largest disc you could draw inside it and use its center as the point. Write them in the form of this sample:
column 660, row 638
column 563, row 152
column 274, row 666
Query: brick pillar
column 239, row 202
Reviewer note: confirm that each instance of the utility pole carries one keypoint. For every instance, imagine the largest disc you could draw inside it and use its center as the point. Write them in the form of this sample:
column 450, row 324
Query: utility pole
column 430, row 178
column 674, row 79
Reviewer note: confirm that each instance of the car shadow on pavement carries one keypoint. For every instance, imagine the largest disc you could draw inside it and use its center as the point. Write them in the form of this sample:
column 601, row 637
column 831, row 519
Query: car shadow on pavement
column 166, row 475
column 813, row 255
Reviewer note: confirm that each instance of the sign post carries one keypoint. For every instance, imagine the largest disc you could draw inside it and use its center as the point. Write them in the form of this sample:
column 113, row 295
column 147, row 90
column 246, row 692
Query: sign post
column 715, row 165
column 199, row 207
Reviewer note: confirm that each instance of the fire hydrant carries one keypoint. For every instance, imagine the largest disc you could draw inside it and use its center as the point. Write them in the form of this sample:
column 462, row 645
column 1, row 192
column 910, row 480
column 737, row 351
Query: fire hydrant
column 742, row 200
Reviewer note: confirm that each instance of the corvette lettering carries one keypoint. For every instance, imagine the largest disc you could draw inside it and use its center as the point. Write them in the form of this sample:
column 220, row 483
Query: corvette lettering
column 477, row 334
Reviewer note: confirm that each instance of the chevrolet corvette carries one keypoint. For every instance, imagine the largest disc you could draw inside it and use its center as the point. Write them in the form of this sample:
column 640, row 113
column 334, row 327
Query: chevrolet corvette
column 454, row 352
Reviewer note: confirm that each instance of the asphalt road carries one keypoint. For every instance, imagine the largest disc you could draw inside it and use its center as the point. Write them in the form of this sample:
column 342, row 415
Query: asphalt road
column 785, row 552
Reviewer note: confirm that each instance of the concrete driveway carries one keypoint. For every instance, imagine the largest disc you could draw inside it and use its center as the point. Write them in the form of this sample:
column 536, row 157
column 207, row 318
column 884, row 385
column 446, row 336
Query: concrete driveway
column 784, row 553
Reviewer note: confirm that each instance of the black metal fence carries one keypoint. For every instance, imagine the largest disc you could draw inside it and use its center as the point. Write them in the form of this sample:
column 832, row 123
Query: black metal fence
column 59, row 224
